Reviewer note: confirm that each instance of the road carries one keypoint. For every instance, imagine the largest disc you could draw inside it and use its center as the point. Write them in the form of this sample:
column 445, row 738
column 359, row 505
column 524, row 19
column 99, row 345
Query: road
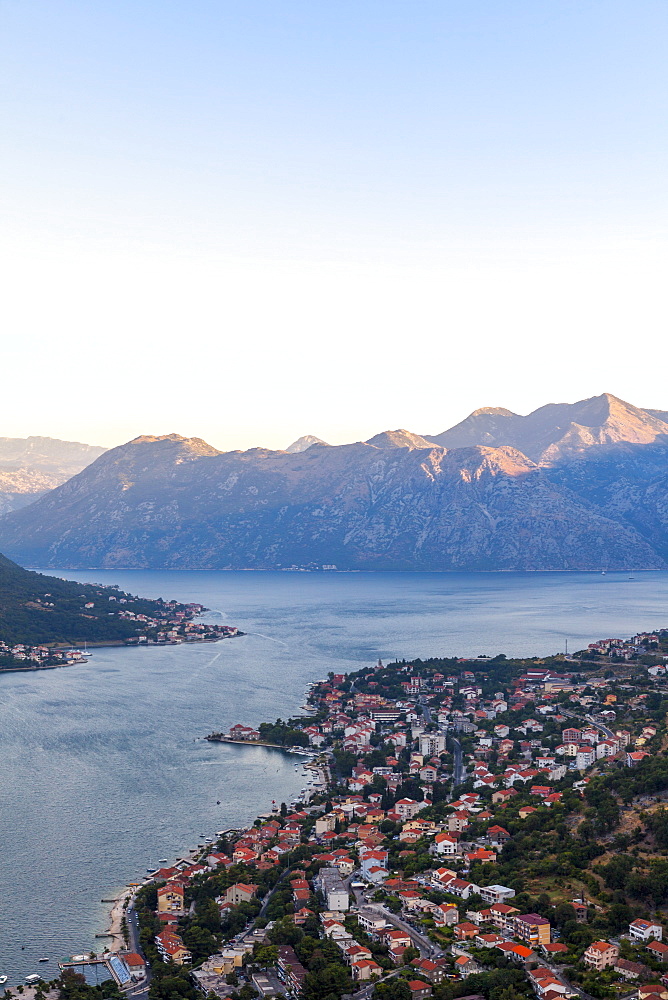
column 366, row 992
column 426, row 711
column 141, row 990
column 458, row 772
column 608, row 733
column 424, row 945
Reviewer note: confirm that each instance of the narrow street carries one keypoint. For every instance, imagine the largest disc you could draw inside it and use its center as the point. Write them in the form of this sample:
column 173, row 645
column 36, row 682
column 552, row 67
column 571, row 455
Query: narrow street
column 141, row 990
column 458, row 772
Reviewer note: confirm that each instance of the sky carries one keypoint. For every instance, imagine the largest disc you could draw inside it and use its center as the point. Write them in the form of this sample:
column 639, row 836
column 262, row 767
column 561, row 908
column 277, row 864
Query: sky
column 247, row 221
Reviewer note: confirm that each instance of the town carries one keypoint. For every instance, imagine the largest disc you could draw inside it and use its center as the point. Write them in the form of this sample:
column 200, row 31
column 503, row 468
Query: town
column 485, row 828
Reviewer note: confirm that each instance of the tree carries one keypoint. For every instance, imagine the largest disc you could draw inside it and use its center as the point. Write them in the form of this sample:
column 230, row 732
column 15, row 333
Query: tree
column 207, row 915
column 248, row 992
column 333, row 981
column 393, row 989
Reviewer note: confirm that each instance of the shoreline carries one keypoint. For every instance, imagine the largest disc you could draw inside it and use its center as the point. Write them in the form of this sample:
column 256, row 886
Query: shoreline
column 220, row 738
column 113, row 644
column 118, row 910
column 116, row 914
column 328, row 572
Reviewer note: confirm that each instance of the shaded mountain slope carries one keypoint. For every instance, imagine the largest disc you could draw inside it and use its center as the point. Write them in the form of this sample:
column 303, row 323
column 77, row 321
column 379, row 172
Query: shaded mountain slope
column 172, row 502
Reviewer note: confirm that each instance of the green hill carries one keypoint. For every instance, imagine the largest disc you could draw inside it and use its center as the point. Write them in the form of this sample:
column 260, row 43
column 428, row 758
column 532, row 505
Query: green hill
column 40, row 610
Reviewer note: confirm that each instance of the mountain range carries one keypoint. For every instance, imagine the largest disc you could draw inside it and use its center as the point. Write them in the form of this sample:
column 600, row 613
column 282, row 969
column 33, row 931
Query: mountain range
column 30, row 467
column 580, row 486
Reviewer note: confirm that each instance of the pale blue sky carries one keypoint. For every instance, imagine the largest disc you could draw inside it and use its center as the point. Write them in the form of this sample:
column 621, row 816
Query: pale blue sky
column 247, row 221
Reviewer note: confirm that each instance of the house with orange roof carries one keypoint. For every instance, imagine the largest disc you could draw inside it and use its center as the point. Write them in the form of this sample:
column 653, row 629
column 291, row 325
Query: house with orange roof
column 171, row 948
column 465, row 931
column 419, row 989
column 170, row 898
column 601, row 955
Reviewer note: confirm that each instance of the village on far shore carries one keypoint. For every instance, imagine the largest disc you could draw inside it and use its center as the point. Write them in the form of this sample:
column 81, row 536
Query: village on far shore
column 487, row 828
column 173, row 625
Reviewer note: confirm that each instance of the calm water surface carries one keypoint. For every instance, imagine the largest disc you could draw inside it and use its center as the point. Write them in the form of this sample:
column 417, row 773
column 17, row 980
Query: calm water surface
column 103, row 767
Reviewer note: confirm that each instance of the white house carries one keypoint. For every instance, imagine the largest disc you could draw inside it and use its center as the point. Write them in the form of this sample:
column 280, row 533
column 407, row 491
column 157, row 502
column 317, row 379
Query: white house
column 644, row 930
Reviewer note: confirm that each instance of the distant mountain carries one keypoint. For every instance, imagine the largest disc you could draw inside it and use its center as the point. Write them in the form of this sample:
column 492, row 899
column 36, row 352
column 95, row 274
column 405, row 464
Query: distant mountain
column 659, row 414
column 399, row 439
column 30, row 467
column 560, row 430
column 398, row 501
column 302, row 443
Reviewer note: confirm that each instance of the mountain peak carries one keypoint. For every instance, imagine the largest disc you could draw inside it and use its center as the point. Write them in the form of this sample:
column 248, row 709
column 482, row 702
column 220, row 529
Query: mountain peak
column 400, row 438
column 304, row 442
column 193, row 444
column 492, row 411
column 559, row 430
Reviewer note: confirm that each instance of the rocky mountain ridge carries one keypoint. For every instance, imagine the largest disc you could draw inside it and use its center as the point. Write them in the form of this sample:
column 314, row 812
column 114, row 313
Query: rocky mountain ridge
column 30, row 467
column 560, row 430
column 582, row 501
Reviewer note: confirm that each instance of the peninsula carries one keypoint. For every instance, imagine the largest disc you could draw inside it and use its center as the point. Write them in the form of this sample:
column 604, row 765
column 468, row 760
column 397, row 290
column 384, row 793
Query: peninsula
column 43, row 619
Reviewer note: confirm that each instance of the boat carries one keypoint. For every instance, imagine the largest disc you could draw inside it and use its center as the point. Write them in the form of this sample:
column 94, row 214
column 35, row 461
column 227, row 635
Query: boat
column 33, row 980
column 43, row 960
column 162, row 861
column 3, row 980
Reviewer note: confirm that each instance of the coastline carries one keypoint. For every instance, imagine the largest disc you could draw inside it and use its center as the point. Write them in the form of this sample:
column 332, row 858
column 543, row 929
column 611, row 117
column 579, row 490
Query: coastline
column 116, row 915
column 122, row 899
column 112, row 644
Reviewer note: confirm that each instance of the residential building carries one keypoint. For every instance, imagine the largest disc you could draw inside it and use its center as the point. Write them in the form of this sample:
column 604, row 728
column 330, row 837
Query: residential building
column 435, row 972
column 432, row 744
column 325, row 824
column 645, row 930
column 465, row 931
column 170, row 898
column 653, row 991
column 532, row 929
column 419, row 989
column 630, row 970
column 290, row 969
column 445, row 844
column 502, row 916
column 331, row 885
column 445, row 915
column 407, row 808
column 240, row 892
column 496, row 893
column 172, row 948
column 601, row 955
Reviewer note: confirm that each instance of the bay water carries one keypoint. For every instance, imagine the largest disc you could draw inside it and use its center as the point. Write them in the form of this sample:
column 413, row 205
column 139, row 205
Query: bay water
column 103, row 767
